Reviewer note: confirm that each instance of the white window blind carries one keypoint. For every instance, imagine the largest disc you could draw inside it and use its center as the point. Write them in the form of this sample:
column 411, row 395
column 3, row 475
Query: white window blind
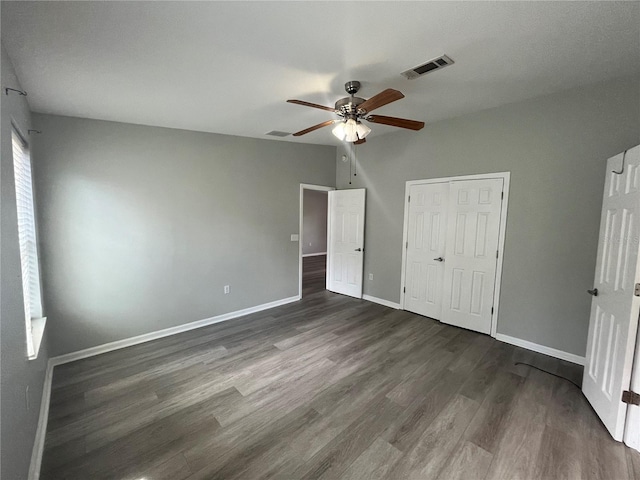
column 27, row 238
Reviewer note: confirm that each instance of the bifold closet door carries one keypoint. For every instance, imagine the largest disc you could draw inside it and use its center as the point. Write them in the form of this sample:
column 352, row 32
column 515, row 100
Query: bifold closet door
column 426, row 239
column 470, row 260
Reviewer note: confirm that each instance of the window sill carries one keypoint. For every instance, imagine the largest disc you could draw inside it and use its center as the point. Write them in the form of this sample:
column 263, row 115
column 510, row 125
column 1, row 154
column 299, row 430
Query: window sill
column 37, row 332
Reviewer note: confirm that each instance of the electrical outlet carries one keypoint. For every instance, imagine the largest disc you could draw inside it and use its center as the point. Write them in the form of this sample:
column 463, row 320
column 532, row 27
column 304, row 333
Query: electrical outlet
column 226, row 289
column 371, row 276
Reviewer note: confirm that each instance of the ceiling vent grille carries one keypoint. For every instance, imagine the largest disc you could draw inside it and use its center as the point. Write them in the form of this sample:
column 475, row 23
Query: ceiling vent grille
column 430, row 66
column 278, row 133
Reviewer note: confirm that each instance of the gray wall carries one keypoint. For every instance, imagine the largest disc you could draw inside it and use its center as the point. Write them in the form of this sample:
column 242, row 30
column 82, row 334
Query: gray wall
column 555, row 148
column 314, row 222
column 17, row 421
column 142, row 226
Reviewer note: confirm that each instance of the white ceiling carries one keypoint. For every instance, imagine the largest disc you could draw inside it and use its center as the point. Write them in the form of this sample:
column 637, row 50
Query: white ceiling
column 229, row 67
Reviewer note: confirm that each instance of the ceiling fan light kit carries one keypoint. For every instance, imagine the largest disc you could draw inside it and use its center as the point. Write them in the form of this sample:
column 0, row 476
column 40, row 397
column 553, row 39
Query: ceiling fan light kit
column 351, row 130
column 352, row 110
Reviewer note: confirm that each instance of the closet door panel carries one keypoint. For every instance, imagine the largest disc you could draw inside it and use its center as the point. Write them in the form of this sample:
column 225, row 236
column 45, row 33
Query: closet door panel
column 426, row 238
column 470, row 260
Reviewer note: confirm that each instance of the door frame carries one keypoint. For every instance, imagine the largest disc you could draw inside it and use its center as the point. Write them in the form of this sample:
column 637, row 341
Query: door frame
column 303, row 187
column 506, row 177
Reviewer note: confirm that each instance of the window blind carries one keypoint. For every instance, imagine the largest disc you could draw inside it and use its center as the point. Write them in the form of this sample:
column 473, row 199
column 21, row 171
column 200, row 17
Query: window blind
column 27, row 235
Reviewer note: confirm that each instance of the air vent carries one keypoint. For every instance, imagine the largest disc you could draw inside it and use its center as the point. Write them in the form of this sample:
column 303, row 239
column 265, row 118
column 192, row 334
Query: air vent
column 430, row 66
column 278, row 133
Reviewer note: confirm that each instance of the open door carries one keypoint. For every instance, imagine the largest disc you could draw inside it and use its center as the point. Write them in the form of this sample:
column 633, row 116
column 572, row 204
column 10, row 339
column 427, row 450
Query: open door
column 615, row 308
column 345, row 244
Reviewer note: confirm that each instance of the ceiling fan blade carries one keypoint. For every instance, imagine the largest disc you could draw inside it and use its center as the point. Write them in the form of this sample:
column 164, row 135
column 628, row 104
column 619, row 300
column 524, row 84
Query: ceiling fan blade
column 315, row 127
column 314, row 105
column 387, row 96
column 396, row 122
column 360, row 141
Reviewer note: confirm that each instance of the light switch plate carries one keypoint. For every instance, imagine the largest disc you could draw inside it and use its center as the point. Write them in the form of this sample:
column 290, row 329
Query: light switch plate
column 294, row 237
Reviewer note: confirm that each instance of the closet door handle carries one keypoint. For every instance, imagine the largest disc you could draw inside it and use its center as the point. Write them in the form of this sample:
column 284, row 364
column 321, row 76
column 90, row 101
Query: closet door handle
column 439, row 259
column 358, row 250
column 593, row 292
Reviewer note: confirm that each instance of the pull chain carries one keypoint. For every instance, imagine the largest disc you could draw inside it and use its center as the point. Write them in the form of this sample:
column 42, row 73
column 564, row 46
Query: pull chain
column 355, row 159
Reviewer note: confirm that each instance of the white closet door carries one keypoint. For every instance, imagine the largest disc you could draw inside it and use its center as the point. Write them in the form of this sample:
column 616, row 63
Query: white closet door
column 345, row 246
column 615, row 308
column 471, row 255
column 426, row 239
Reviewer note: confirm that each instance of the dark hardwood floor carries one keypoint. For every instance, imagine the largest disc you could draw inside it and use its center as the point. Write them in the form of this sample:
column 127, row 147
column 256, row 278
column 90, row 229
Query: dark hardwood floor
column 314, row 271
column 329, row 387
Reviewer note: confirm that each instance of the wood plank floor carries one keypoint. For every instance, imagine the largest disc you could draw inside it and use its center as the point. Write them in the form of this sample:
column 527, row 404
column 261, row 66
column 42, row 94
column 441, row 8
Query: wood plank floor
column 329, row 387
column 314, row 271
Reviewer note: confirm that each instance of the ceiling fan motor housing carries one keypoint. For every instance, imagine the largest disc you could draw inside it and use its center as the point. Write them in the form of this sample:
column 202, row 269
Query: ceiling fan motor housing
column 349, row 105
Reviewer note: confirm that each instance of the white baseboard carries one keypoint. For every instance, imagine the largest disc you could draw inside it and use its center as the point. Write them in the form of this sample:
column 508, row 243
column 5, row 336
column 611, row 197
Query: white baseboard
column 552, row 352
column 313, row 254
column 147, row 337
column 381, row 301
column 41, row 430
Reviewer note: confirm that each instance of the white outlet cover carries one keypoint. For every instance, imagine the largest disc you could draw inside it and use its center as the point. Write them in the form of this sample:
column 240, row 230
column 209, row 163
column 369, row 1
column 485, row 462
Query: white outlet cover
column 295, row 237
column 371, row 276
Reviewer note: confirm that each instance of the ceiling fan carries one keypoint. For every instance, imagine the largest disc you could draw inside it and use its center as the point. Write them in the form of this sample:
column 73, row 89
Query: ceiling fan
column 352, row 110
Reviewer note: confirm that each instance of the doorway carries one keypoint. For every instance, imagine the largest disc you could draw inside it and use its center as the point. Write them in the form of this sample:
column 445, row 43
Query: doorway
column 313, row 238
column 454, row 231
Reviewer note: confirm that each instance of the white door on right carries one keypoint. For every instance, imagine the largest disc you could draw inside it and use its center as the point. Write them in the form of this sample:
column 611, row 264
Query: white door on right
column 614, row 307
column 470, row 262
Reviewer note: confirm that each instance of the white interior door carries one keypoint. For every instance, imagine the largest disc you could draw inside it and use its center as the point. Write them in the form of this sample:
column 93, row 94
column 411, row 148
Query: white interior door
column 470, row 262
column 426, row 240
column 345, row 249
column 615, row 309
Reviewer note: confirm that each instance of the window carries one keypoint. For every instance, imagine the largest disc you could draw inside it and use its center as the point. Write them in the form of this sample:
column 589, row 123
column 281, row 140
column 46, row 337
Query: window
column 34, row 320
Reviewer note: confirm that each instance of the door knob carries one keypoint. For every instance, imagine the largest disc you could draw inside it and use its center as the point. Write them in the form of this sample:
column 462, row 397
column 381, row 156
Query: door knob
column 593, row 292
column 439, row 259
column 358, row 250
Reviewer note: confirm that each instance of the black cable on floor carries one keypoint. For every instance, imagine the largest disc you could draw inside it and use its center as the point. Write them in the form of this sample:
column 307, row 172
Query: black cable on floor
column 550, row 373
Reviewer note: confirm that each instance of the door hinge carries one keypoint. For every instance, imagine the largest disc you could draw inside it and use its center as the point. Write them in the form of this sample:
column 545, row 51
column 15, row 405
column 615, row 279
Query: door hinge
column 409, row 201
column 404, row 289
column 502, row 195
column 406, row 245
column 636, row 291
column 632, row 398
column 497, row 252
column 491, row 310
